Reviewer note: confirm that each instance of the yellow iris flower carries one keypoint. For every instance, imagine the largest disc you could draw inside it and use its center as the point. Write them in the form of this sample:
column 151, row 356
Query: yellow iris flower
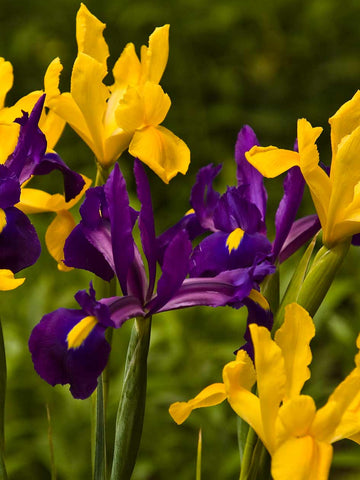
column 336, row 198
column 50, row 123
column 297, row 436
column 98, row 113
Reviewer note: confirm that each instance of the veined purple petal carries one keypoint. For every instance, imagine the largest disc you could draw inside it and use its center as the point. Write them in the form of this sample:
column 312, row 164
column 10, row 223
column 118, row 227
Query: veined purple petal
column 91, row 210
column 174, row 270
column 203, row 197
column 57, row 364
column 80, row 253
column 31, row 144
column 212, row 255
column 233, row 211
column 19, row 243
column 227, row 288
column 73, row 181
column 123, row 308
column 293, row 192
column 301, row 231
column 121, row 225
column 9, row 188
column 137, row 282
column 146, row 223
column 246, row 174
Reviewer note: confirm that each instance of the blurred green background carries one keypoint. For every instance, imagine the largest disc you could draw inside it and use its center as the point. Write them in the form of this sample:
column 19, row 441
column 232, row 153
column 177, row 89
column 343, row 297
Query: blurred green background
column 231, row 63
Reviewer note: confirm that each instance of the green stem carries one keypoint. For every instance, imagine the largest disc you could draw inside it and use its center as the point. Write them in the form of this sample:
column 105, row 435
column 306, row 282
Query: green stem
column 3, row 474
column 51, row 444
column 248, row 453
column 100, row 444
column 101, row 175
column 198, row 457
column 130, row 417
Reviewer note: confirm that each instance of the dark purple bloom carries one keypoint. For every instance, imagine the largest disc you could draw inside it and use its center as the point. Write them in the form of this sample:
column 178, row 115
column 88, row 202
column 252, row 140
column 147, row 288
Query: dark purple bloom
column 103, row 243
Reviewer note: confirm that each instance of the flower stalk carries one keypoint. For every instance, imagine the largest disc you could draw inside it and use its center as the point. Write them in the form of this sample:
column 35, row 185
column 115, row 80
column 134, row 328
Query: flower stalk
column 130, row 417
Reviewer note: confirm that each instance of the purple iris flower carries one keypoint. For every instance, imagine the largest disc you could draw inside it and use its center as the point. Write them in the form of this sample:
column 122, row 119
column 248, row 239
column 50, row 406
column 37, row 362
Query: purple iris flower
column 103, row 243
column 19, row 244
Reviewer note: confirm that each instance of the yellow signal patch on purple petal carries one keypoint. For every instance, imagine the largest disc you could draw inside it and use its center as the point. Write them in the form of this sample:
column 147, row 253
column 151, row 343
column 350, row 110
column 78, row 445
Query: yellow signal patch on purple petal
column 80, row 332
column 2, row 220
column 234, row 239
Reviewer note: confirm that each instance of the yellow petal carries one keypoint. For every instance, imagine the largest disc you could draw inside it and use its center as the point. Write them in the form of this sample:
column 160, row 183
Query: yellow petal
column 344, row 121
column 302, row 459
column 294, row 338
column 239, row 377
column 157, row 53
column 126, row 70
column 9, row 136
column 7, row 280
column 272, row 161
column 56, row 235
column 271, row 379
column 130, row 114
column 211, row 395
column 51, row 79
column 315, row 177
column 296, row 416
column 115, row 145
column 89, row 35
column 6, row 79
column 165, row 153
column 90, row 95
column 157, row 104
column 328, row 424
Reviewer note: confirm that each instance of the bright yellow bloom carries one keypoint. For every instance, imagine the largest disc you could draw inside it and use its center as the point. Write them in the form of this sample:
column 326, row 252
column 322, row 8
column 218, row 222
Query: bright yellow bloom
column 37, row 201
column 297, row 436
column 50, row 123
column 98, row 113
column 336, row 198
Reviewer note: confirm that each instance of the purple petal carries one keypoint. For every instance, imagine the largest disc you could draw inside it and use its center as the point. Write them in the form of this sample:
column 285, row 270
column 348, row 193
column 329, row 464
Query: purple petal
column 301, row 231
column 233, row 211
column 174, row 270
column 91, row 306
column 212, row 255
column 203, row 197
column 31, row 144
column 293, row 191
column 9, row 188
column 121, row 225
column 146, row 223
column 80, row 253
column 73, row 181
column 227, row 288
column 189, row 223
column 248, row 175
column 56, row 364
column 19, row 243
column 123, row 308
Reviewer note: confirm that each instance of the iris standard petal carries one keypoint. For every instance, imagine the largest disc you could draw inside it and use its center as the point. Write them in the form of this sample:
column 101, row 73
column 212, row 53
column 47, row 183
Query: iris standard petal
column 9, row 188
column 146, row 222
column 203, row 197
column 294, row 337
column 89, row 35
column 174, row 270
column 300, row 232
column 246, row 174
column 272, row 161
column 294, row 184
column 121, row 225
